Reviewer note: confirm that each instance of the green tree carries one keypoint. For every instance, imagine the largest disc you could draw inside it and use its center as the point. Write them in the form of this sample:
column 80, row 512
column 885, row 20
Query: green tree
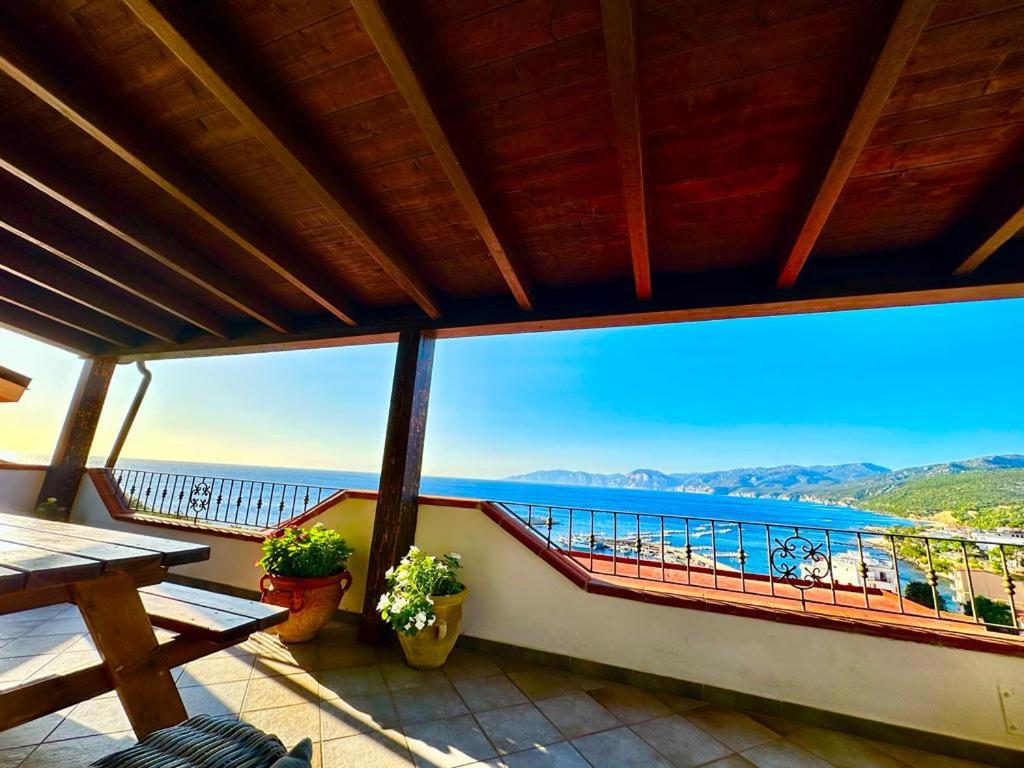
column 990, row 611
column 920, row 593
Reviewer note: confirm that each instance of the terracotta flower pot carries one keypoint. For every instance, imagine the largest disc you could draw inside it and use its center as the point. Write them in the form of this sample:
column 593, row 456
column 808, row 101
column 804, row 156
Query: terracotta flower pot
column 311, row 602
column 429, row 649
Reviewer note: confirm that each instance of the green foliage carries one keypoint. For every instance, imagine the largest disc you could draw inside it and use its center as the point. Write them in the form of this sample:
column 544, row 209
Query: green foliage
column 982, row 499
column 990, row 611
column 920, row 593
column 304, row 552
column 946, row 555
column 407, row 605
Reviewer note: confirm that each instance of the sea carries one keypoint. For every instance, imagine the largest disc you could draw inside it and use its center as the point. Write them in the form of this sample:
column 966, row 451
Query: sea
column 709, row 523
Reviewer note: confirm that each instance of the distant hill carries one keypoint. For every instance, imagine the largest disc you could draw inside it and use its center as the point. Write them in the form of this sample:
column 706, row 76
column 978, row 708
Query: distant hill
column 786, row 480
column 985, row 492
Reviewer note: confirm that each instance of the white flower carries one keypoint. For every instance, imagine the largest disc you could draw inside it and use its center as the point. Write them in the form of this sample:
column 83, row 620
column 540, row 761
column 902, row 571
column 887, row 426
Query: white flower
column 455, row 556
column 398, row 604
column 421, row 618
column 414, row 550
column 420, row 624
column 390, row 572
column 383, row 602
column 432, row 620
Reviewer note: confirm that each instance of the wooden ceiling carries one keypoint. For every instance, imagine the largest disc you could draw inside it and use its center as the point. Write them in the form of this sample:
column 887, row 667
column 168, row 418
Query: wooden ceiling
column 184, row 178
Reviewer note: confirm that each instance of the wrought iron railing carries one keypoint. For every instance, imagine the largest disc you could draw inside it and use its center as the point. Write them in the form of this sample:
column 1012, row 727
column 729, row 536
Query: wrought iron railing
column 964, row 581
column 216, row 500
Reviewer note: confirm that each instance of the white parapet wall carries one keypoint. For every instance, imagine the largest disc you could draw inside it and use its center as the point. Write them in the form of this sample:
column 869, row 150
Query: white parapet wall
column 19, row 488
column 518, row 599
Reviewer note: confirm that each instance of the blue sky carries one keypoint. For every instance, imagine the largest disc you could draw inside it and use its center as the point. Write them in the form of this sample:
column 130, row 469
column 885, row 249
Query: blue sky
column 896, row 387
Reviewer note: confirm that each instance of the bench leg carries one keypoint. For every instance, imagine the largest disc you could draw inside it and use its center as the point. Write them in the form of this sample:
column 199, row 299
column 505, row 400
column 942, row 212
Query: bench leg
column 120, row 628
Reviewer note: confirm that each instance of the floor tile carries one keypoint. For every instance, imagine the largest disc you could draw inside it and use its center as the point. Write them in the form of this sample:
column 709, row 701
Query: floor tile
column 290, row 724
column 20, row 667
column 428, row 702
column 448, row 743
column 223, row 669
column 356, row 714
column 58, row 626
column 32, row 732
column 778, row 724
column 383, row 749
column 678, row 703
column 577, row 714
column 76, row 753
column 11, row 758
column 67, row 662
column 630, row 705
column 841, row 749
column 287, row 660
column 619, row 748
column 543, row 684
column 351, row 681
column 562, row 755
column 733, row 761
column 92, row 717
column 518, row 728
column 494, row 692
column 683, row 743
column 34, row 644
column 465, row 665
column 214, row 700
column 732, row 728
column 335, row 655
column 398, row 675
column 281, row 691
column 942, row 761
column 783, row 754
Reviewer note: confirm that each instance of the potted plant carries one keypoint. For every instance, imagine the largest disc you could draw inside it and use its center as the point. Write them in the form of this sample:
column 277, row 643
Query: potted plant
column 423, row 605
column 305, row 571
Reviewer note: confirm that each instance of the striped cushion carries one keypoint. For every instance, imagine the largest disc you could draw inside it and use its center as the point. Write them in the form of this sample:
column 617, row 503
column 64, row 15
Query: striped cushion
column 200, row 742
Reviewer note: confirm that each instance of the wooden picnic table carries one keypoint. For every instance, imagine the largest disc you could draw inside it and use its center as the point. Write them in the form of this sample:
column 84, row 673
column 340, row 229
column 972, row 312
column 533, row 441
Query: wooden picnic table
column 114, row 578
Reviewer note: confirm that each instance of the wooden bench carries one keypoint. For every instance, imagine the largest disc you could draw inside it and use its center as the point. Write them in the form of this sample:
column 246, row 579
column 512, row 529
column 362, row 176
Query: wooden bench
column 197, row 613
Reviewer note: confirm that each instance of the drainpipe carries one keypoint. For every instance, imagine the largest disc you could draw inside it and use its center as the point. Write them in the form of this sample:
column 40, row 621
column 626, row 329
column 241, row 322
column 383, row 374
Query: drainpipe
column 129, row 417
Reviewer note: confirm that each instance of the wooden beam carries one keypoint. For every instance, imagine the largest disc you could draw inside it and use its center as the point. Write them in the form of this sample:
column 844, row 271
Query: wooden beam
column 394, row 526
column 828, row 285
column 99, row 209
column 102, row 122
column 38, row 327
column 620, row 39
column 42, row 270
column 902, row 37
column 415, row 82
column 53, row 237
column 26, row 295
column 72, row 451
column 12, row 385
column 1000, row 219
column 204, row 56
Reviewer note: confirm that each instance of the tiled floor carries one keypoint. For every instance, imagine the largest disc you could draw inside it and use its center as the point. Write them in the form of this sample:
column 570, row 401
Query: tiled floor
column 366, row 709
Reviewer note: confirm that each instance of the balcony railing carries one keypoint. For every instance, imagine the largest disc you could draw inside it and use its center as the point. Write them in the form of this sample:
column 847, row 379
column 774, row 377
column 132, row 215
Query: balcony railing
column 962, row 581
column 216, row 500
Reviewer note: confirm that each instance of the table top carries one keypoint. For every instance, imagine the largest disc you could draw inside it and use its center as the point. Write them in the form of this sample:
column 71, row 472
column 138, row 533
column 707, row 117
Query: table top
column 40, row 553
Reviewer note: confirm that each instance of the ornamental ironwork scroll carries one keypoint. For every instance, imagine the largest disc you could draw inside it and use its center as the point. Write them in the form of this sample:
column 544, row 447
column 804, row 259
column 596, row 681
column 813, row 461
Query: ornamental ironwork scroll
column 199, row 497
column 800, row 562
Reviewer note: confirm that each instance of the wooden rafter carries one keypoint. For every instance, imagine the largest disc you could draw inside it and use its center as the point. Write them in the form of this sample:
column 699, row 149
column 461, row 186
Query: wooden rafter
column 28, row 296
column 62, row 279
column 171, row 174
column 415, row 85
column 56, row 239
column 991, row 238
column 620, row 37
column 96, row 207
column 204, row 58
column 46, row 330
column 902, row 37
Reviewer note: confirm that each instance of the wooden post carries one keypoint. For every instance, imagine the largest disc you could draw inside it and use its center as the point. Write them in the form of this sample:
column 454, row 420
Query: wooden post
column 394, row 526
column 69, row 457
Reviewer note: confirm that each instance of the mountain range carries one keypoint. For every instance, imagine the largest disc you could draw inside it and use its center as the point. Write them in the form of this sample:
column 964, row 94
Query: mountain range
column 834, row 483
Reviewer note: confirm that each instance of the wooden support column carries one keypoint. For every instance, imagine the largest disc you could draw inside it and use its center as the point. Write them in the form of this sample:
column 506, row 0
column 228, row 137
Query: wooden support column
column 394, row 526
column 72, row 451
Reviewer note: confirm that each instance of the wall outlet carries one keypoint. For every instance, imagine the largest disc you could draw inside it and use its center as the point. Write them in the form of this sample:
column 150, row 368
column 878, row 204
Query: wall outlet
column 1012, row 700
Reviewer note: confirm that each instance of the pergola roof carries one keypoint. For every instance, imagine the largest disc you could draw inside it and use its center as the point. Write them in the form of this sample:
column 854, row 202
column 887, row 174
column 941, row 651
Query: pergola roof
column 186, row 178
